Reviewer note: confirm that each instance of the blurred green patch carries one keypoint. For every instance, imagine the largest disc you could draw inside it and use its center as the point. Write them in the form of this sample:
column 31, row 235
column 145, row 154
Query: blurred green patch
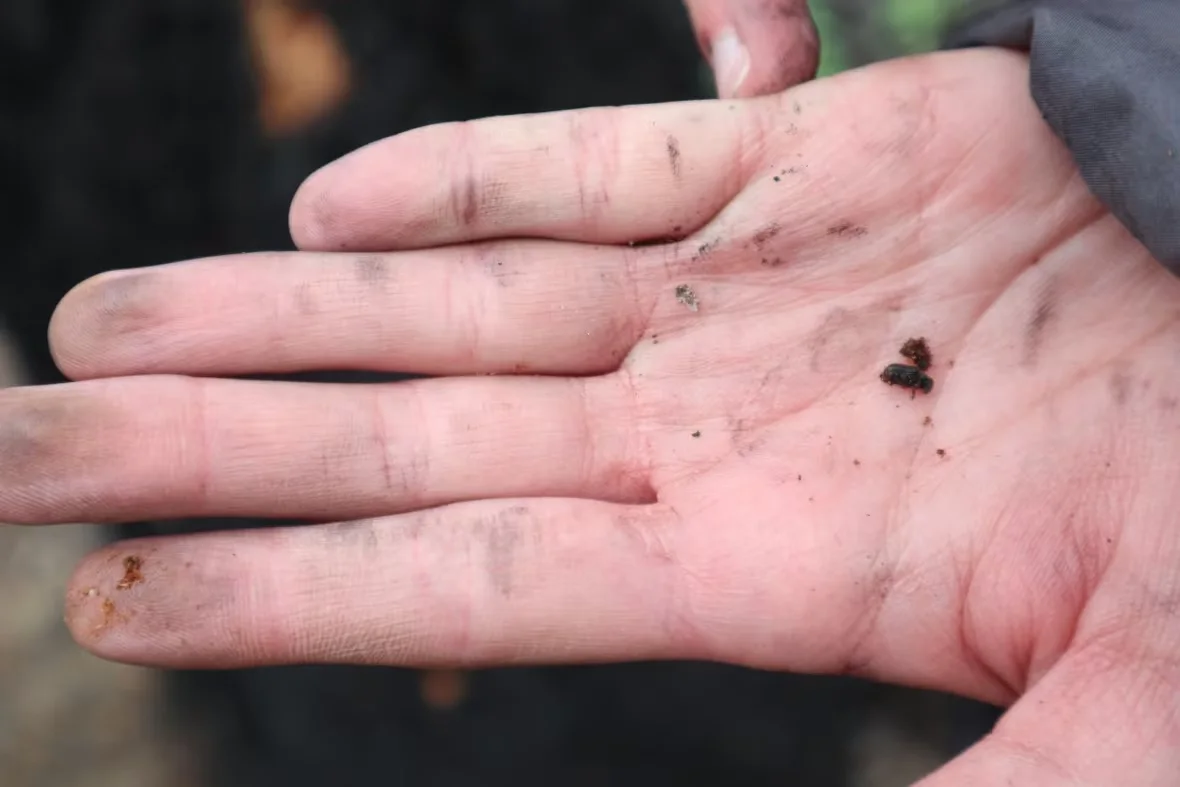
column 856, row 32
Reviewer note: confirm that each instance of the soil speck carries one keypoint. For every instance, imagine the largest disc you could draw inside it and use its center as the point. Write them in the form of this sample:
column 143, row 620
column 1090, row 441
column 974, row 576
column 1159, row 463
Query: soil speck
column 918, row 351
column 132, row 574
column 686, row 296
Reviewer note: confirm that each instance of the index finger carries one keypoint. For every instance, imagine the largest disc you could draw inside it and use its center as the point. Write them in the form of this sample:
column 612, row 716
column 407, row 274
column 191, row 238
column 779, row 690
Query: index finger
column 610, row 175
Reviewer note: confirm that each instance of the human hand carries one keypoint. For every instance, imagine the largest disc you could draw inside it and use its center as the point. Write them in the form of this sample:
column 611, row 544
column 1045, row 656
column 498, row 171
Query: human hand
column 756, row 47
column 603, row 473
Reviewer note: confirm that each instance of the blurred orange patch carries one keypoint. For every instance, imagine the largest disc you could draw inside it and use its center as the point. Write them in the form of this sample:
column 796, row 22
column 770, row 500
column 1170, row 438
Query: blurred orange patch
column 302, row 68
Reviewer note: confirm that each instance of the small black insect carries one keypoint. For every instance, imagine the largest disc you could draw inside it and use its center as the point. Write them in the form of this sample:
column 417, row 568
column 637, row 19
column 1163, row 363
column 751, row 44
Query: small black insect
column 908, row 377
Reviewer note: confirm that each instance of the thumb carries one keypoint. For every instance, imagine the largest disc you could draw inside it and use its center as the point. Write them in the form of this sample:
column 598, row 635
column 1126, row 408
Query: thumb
column 756, row 47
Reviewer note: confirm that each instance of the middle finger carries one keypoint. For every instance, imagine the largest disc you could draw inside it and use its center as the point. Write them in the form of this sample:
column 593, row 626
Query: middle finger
column 159, row 447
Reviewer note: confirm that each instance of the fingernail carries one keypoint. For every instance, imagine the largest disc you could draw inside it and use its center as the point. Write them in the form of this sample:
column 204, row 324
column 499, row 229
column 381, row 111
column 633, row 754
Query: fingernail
column 731, row 62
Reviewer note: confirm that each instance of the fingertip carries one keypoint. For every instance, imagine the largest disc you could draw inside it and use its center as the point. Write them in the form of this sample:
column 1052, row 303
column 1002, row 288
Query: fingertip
column 324, row 211
column 731, row 63
column 139, row 602
column 783, row 51
column 66, row 325
column 310, row 217
column 93, row 616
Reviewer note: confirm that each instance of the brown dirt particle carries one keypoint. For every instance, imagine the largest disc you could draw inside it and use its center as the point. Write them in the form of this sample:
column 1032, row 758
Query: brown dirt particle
column 686, row 296
column 132, row 574
column 918, row 351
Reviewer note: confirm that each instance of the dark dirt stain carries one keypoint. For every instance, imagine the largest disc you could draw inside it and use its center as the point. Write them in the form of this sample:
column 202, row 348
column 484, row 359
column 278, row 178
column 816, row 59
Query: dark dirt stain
column 658, row 240
column 941, row 452
column 54, row 433
column 360, row 534
column 856, row 462
column 132, row 572
column 706, row 249
column 304, row 301
column 673, row 146
column 1043, row 314
column 697, row 433
column 686, row 296
column 503, row 537
column 1120, row 388
column 127, row 303
column 846, row 229
column 772, row 262
column 371, row 269
column 927, row 421
column 764, row 235
column 798, row 110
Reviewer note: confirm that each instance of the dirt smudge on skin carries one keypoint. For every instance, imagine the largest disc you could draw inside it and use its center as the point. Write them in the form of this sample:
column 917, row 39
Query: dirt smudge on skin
column 359, row 534
column 766, row 234
column 371, row 270
column 1043, row 314
column 1120, row 388
column 686, row 296
column 705, row 250
column 846, row 229
column 108, row 614
column 132, row 572
column 504, row 536
column 673, row 146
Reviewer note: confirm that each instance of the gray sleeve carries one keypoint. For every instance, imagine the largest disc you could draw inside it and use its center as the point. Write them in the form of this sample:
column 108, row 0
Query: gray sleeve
column 1106, row 76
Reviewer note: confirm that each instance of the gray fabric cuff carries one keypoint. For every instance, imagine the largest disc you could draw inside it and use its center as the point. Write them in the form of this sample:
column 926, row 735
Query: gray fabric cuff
column 1106, row 76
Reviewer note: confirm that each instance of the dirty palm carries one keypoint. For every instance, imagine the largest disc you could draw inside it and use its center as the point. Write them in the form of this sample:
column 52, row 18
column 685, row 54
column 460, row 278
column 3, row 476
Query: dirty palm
column 724, row 477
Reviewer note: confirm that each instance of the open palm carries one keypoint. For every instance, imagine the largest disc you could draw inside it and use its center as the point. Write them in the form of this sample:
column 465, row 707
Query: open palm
column 656, row 426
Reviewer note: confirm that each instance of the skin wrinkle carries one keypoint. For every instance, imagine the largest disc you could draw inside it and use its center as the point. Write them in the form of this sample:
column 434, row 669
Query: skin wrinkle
column 381, row 443
column 594, row 137
column 464, row 190
column 204, row 462
column 425, row 450
column 1033, row 756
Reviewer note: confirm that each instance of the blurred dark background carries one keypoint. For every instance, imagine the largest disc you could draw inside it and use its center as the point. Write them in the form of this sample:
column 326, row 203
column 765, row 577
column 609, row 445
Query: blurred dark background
column 136, row 132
